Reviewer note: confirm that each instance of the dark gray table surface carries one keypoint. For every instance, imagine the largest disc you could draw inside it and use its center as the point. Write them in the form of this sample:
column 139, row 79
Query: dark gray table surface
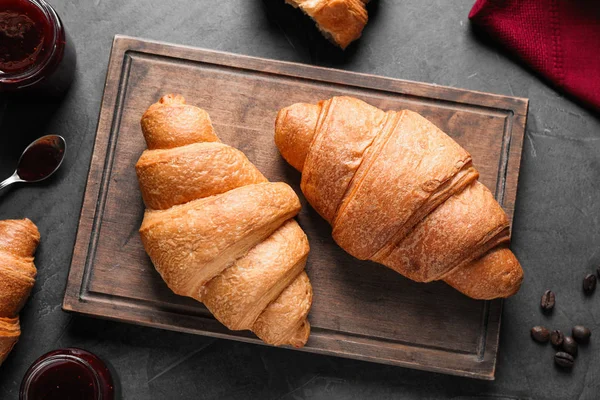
column 556, row 228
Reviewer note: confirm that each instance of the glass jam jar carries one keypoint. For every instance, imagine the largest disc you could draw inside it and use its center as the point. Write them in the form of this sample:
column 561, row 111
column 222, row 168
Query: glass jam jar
column 67, row 374
column 36, row 53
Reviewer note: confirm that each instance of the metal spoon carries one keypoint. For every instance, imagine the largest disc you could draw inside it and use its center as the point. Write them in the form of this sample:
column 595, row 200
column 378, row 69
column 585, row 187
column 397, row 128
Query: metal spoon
column 39, row 160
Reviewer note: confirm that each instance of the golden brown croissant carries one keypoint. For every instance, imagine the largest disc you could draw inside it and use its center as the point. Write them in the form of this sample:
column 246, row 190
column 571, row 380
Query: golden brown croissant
column 18, row 241
column 218, row 231
column 341, row 21
column 399, row 191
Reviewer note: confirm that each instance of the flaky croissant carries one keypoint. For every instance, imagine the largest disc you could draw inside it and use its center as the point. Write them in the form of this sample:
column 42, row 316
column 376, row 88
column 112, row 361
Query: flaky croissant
column 18, row 241
column 399, row 191
column 341, row 21
column 218, row 231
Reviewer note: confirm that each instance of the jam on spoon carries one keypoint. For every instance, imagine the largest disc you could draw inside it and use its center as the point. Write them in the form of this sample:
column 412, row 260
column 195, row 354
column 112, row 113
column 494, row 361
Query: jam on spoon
column 39, row 160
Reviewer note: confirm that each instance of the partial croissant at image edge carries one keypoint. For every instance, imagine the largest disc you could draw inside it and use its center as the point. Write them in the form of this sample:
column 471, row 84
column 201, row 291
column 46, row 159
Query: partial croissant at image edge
column 218, row 231
column 340, row 21
column 18, row 241
column 434, row 221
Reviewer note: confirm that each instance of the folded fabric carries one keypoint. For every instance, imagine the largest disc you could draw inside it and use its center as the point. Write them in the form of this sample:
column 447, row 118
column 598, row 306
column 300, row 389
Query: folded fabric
column 559, row 39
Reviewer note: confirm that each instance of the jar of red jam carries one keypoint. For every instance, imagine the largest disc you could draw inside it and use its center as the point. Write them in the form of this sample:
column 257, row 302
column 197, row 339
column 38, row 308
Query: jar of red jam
column 68, row 374
column 36, row 53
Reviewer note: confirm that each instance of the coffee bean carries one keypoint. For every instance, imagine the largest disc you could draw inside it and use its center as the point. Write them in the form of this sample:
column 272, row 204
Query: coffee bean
column 581, row 334
column 589, row 283
column 557, row 338
column 570, row 346
column 540, row 334
column 548, row 300
column 598, row 272
column 564, row 360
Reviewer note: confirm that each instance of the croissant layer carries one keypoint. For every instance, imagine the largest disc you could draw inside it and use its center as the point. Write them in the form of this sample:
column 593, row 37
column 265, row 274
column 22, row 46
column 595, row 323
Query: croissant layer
column 171, row 123
column 176, row 176
column 258, row 278
column 192, row 243
column 399, row 191
column 218, row 231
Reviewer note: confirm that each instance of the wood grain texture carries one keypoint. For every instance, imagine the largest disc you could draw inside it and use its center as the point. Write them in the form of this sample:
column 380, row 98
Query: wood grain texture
column 361, row 310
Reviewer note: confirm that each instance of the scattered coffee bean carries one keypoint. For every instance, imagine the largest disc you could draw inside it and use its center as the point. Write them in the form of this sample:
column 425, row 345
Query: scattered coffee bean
column 564, row 360
column 581, row 334
column 548, row 300
column 589, row 283
column 540, row 334
column 557, row 338
column 570, row 346
column 598, row 272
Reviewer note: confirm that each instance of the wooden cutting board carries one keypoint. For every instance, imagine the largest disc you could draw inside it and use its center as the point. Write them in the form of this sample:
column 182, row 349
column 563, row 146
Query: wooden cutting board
column 361, row 310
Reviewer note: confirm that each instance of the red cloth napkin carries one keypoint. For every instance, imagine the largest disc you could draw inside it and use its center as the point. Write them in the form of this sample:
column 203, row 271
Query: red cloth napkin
column 560, row 39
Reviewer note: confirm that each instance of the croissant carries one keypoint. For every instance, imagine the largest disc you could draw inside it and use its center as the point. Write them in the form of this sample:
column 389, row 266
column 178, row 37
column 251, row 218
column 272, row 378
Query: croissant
column 399, row 191
column 341, row 21
column 218, row 231
column 18, row 241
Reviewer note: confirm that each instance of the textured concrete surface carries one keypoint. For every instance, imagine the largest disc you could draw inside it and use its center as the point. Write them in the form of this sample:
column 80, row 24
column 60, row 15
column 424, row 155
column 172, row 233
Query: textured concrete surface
column 556, row 230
